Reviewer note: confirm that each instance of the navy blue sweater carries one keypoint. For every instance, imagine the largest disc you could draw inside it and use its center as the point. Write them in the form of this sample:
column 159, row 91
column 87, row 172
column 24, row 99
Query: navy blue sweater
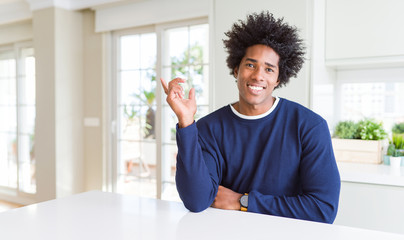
column 284, row 160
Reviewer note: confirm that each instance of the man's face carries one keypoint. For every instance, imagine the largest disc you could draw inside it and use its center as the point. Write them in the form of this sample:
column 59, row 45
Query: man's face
column 257, row 76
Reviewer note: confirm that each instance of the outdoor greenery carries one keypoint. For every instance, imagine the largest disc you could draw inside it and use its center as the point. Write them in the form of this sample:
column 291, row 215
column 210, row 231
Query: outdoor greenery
column 147, row 98
column 367, row 129
column 187, row 65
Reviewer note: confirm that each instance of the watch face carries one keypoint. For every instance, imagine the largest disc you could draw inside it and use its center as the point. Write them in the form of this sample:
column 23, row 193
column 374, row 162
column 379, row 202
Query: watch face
column 244, row 201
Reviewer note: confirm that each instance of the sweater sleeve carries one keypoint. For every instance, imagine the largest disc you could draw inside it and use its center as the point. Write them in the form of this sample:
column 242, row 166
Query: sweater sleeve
column 319, row 179
column 196, row 177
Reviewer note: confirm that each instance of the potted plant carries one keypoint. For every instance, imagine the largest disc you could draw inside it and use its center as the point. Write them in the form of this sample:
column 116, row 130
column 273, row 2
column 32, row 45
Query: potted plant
column 346, row 130
column 359, row 142
column 396, row 150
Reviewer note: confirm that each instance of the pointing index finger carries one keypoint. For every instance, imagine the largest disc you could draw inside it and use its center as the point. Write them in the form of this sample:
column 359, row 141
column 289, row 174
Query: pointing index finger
column 164, row 84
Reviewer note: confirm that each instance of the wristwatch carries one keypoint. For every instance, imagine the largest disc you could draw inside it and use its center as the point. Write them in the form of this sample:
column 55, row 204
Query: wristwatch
column 244, row 202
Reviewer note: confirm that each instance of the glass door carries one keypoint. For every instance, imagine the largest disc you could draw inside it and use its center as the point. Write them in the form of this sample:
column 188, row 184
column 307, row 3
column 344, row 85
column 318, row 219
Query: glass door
column 136, row 115
column 144, row 144
column 17, row 122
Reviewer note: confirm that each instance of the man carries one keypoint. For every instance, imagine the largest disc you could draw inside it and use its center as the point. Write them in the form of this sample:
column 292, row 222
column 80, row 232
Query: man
column 262, row 154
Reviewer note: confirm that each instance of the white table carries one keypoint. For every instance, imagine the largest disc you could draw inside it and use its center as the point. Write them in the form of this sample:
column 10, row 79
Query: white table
column 99, row 215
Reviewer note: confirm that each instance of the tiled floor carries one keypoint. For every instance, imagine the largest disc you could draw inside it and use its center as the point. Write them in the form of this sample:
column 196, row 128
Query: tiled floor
column 4, row 206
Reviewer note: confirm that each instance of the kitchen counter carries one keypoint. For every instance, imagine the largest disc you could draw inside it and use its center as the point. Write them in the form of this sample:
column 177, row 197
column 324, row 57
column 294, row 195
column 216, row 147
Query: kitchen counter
column 371, row 174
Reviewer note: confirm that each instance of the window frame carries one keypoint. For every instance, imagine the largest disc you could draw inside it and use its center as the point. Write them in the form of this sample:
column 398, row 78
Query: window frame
column 361, row 76
column 10, row 193
column 112, row 158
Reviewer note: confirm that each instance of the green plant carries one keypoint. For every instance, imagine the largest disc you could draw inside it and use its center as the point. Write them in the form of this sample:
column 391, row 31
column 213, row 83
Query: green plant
column 398, row 141
column 346, row 130
column 398, row 128
column 396, row 146
column 369, row 129
column 391, row 150
column 147, row 97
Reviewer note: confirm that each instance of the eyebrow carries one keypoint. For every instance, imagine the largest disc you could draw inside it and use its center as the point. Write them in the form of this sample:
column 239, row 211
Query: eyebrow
column 266, row 63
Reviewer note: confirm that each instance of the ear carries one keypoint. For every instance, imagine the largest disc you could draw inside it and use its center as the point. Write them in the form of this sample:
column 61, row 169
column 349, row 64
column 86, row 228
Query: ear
column 277, row 82
column 235, row 72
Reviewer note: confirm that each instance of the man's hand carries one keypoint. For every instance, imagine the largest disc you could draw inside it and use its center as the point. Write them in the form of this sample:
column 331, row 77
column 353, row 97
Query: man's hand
column 185, row 109
column 227, row 199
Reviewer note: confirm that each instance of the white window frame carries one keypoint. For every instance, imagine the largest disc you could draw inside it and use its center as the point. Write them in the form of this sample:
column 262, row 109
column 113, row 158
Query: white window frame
column 112, row 39
column 7, row 193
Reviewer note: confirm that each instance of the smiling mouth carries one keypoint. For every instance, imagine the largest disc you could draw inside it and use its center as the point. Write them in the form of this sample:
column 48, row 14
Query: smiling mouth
column 256, row 88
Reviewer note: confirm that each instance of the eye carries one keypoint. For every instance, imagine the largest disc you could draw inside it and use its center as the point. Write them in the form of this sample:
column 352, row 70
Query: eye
column 269, row 70
column 250, row 65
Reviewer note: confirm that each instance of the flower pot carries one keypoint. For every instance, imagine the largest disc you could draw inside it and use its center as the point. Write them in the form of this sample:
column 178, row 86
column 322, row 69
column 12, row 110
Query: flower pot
column 395, row 162
column 386, row 160
column 358, row 151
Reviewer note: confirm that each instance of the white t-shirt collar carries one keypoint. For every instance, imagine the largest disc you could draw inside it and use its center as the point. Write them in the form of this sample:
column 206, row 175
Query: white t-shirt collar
column 256, row 116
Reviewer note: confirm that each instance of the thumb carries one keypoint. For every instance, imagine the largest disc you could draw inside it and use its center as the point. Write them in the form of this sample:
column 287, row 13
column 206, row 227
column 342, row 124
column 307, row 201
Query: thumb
column 192, row 94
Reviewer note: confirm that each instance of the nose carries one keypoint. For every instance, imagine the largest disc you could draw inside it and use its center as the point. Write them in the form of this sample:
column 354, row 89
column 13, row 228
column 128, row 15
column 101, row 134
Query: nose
column 259, row 74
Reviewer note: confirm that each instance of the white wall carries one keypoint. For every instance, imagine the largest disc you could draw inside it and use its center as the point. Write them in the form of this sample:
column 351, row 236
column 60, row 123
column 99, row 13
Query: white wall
column 45, row 137
column 69, row 102
column 16, row 32
column 59, row 76
column 148, row 12
column 92, row 103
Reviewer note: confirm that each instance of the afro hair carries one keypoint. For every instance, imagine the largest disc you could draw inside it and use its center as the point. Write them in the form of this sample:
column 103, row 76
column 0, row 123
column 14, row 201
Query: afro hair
column 264, row 29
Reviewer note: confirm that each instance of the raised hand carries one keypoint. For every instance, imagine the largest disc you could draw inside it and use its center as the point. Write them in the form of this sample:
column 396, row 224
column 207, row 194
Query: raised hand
column 185, row 109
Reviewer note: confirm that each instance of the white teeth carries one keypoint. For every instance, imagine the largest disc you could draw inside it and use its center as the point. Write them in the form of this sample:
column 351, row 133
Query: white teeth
column 255, row 87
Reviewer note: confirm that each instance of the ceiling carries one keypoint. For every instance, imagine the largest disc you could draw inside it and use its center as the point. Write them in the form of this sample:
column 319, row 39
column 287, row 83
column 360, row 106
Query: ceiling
column 69, row 4
column 18, row 10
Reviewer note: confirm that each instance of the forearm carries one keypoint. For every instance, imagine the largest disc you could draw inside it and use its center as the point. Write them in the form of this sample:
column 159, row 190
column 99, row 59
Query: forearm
column 195, row 185
column 305, row 207
column 315, row 199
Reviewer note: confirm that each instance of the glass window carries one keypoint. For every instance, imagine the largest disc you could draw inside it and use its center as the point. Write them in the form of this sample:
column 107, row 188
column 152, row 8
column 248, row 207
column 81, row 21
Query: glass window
column 136, row 139
column 378, row 100
column 362, row 93
column 184, row 53
column 17, row 124
column 186, row 57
